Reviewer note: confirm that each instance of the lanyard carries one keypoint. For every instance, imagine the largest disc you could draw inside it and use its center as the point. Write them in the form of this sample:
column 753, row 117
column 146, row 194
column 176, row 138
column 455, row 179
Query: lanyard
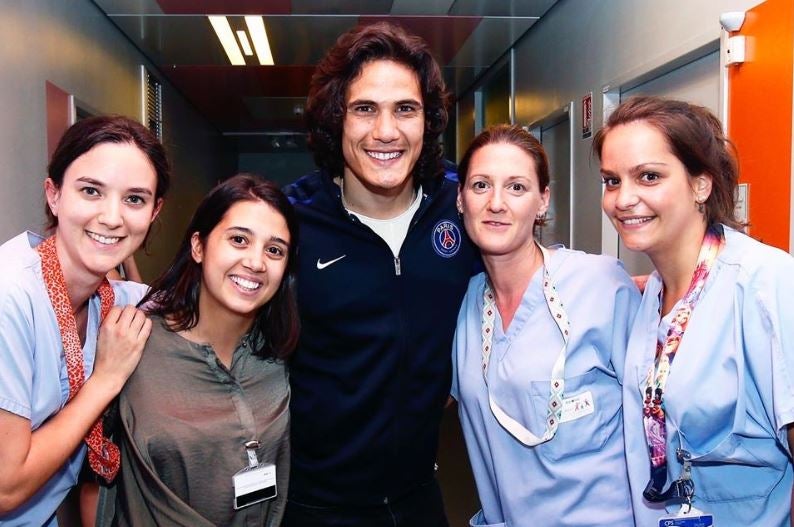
column 557, row 372
column 653, row 414
column 103, row 456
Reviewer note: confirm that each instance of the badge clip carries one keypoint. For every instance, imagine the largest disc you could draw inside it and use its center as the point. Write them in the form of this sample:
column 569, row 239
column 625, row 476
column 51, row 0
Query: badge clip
column 250, row 449
column 254, row 483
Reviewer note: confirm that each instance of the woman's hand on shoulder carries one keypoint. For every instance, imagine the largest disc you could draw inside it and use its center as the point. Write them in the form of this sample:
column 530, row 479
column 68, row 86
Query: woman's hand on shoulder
column 122, row 336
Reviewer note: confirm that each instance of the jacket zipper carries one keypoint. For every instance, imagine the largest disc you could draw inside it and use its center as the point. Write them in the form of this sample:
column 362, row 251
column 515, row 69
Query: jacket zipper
column 419, row 213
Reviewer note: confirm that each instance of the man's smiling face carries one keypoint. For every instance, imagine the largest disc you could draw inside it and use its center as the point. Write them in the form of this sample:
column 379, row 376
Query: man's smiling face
column 383, row 127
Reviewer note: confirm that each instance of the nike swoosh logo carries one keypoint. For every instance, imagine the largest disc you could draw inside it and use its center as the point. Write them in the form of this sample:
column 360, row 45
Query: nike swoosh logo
column 323, row 265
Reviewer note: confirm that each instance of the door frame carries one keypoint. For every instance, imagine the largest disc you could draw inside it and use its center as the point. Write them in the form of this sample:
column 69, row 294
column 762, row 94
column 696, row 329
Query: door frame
column 558, row 116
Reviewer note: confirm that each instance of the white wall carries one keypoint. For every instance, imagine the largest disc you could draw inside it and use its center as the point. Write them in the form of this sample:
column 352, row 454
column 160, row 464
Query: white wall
column 581, row 45
column 73, row 45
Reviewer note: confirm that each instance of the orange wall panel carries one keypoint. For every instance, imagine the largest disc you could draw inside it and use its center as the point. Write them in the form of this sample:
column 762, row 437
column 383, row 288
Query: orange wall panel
column 760, row 110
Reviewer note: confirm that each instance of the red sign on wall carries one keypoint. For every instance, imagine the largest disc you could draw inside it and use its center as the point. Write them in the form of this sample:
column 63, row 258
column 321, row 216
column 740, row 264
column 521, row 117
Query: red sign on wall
column 587, row 115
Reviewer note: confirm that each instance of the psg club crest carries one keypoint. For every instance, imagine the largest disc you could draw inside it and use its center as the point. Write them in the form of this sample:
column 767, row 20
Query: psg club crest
column 446, row 238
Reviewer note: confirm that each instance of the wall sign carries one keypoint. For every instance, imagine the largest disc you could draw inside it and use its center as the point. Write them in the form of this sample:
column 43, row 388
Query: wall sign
column 587, row 115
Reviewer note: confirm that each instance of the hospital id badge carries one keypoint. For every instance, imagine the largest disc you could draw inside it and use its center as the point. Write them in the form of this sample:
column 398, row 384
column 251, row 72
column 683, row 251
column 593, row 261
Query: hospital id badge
column 253, row 485
column 689, row 518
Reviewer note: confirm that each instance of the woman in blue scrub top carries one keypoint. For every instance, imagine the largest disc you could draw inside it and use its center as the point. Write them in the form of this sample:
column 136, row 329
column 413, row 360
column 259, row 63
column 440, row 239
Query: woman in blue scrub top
column 65, row 350
column 709, row 376
column 539, row 351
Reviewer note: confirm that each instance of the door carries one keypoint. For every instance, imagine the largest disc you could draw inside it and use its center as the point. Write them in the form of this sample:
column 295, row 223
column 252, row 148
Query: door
column 760, row 119
column 556, row 139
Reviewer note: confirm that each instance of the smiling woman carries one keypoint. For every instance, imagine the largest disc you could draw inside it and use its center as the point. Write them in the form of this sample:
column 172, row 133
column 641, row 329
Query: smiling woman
column 60, row 369
column 538, row 352
column 715, row 320
column 204, row 420
column 98, row 214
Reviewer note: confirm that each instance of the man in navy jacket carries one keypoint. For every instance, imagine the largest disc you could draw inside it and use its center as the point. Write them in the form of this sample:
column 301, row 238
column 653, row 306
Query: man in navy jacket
column 383, row 265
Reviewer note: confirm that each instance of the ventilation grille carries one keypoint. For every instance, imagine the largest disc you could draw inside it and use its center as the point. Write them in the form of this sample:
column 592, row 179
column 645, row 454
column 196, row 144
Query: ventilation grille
column 154, row 105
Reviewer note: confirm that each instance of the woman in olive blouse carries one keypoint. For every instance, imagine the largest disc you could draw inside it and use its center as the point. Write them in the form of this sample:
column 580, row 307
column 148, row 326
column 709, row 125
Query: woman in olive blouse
column 204, row 420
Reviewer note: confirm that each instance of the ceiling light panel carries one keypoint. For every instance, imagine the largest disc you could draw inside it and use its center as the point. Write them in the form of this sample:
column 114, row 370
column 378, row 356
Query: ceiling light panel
column 256, row 28
column 243, row 38
column 224, row 31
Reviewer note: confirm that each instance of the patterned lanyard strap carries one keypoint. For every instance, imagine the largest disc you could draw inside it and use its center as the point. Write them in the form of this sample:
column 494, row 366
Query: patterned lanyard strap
column 557, row 372
column 103, row 455
column 656, row 380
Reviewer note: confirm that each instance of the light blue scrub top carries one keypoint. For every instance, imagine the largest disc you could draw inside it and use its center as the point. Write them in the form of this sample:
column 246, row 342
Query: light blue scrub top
column 730, row 393
column 579, row 476
column 33, row 379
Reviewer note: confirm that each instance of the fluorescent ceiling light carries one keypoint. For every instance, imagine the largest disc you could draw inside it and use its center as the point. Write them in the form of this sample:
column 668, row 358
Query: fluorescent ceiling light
column 229, row 43
column 243, row 38
column 256, row 28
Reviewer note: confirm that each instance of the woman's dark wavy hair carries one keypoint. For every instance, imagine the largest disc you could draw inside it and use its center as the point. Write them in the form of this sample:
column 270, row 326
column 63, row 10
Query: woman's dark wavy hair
column 87, row 133
column 510, row 134
column 175, row 295
column 326, row 105
column 695, row 137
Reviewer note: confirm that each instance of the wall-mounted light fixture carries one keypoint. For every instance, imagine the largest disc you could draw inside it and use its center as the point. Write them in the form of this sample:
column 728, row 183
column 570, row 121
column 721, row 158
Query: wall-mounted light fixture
column 224, row 31
column 256, row 28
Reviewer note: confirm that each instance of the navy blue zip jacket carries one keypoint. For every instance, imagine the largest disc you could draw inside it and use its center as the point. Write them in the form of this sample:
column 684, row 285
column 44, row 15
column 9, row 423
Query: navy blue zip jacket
column 372, row 369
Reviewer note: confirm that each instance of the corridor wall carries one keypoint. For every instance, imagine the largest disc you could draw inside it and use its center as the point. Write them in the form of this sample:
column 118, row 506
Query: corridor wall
column 580, row 46
column 73, row 45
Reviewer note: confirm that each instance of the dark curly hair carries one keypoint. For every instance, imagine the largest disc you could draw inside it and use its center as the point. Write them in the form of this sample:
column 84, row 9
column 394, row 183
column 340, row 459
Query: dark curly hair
column 326, row 105
column 695, row 137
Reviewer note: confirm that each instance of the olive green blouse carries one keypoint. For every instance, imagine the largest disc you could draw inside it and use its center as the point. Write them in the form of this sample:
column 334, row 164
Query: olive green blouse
column 183, row 420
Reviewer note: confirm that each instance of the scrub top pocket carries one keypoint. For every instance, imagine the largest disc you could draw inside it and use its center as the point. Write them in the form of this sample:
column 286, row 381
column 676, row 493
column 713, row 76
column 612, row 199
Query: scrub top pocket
column 588, row 433
column 720, row 457
column 716, row 472
column 478, row 520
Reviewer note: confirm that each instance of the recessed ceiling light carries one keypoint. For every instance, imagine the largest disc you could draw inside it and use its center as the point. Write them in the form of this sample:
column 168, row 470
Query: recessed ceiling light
column 256, row 28
column 229, row 43
column 243, row 38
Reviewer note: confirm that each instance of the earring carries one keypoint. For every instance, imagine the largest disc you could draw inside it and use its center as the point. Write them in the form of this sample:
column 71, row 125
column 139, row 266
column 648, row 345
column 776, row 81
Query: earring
column 699, row 204
column 540, row 217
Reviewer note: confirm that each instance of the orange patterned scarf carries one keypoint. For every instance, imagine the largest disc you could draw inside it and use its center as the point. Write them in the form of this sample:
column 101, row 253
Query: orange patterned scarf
column 103, row 455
